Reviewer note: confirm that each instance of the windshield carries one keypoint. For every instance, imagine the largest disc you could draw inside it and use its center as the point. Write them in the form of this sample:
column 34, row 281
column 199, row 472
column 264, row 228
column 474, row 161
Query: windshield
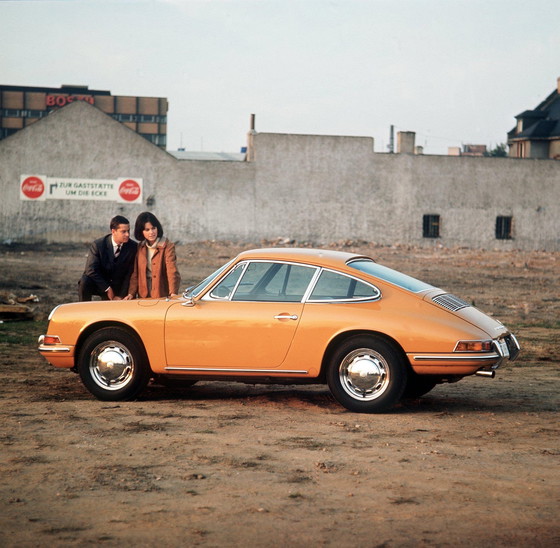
column 389, row 275
column 199, row 288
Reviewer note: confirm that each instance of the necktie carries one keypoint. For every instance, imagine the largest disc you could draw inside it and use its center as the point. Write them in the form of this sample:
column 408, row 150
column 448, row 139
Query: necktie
column 118, row 252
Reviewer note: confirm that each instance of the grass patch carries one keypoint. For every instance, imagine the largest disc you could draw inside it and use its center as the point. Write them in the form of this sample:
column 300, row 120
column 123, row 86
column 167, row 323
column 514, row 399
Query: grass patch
column 21, row 333
column 543, row 324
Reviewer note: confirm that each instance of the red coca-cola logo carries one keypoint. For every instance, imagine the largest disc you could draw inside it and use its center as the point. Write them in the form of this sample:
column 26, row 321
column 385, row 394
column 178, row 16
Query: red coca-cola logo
column 129, row 190
column 33, row 187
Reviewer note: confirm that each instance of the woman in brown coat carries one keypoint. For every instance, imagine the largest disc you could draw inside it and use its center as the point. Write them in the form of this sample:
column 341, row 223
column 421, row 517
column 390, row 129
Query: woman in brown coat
column 155, row 269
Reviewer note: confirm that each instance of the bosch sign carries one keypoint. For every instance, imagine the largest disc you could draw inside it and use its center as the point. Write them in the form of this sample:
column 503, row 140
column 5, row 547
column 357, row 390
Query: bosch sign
column 62, row 100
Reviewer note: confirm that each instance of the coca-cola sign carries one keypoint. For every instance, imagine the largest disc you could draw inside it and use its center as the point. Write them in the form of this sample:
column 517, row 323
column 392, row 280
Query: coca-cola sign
column 130, row 190
column 32, row 187
column 125, row 190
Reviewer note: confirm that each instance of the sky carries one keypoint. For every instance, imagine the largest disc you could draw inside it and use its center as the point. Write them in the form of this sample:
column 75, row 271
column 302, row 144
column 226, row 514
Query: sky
column 454, row 72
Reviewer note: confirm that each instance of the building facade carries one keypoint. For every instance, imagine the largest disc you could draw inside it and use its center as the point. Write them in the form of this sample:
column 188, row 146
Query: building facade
column 65, row 176
column 537, row 132
column 22, row 106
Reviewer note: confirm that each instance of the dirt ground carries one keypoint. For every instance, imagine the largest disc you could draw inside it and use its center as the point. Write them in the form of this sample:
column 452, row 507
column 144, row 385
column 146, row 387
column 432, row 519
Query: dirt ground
column 224, row 464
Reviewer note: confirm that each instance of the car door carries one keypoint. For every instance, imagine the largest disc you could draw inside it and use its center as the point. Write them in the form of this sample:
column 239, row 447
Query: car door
column 247, row 321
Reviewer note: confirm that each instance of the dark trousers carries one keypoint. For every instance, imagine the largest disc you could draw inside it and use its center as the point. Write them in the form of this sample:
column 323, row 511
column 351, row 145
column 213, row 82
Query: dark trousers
column 86, row 289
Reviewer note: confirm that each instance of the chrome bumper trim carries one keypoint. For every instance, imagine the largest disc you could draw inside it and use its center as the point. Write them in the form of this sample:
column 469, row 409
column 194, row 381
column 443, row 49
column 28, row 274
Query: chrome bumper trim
column 448, row 357
column 235, row 370
column 51, row 349
column 517, row 346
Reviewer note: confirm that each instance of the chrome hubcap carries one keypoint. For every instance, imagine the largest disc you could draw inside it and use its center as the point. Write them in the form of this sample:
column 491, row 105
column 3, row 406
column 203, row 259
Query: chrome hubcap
column 111, row 365
column 364, row 374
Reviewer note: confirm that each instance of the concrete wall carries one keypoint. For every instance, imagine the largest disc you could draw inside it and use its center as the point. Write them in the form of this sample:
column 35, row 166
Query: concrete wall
column 308, row 188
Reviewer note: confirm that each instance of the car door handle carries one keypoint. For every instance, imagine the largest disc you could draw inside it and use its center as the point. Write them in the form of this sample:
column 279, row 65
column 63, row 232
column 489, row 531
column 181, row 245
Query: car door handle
column 286, row 317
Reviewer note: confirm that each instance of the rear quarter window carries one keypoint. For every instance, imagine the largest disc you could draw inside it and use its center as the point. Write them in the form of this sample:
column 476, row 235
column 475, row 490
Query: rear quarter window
column 389, row 275
column 334, row 286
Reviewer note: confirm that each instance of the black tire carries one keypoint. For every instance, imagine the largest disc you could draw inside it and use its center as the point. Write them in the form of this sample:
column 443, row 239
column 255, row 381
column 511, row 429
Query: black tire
column 418, row 385
column 367, row 374
column 113, row 365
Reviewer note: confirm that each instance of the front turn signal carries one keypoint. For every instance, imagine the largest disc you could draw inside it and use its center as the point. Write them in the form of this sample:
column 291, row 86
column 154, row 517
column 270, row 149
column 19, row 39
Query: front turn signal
column 50, row 339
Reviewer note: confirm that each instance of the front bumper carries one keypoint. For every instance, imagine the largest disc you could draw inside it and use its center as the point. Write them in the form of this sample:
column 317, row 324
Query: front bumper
column 48, row 348
column 59, row 355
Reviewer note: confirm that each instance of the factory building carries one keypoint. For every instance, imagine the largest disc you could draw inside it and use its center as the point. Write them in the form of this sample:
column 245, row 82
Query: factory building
column 21, row 106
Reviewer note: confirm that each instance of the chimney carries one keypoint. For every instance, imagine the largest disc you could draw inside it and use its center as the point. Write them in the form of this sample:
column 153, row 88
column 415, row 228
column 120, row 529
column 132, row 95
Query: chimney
column 405, row 142
column 250, row 156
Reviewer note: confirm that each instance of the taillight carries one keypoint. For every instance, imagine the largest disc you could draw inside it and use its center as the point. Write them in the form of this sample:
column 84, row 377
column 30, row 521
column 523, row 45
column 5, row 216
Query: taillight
column 473, row 346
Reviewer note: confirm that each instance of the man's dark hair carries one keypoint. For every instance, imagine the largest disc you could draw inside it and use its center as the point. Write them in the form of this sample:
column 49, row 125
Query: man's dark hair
column 118, row 220
column 141, row 220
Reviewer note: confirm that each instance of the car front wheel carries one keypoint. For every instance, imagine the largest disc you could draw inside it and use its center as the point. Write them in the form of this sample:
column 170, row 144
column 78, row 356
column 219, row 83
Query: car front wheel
column 113, row 365
column 367, row 374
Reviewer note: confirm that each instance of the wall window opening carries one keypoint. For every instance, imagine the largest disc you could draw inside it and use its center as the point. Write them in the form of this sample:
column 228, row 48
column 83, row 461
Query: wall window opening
column 431, row 226
column 503, row 228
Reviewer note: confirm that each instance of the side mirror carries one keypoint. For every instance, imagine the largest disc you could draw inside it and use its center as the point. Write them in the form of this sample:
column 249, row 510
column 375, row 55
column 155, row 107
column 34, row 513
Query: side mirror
column 189, row 301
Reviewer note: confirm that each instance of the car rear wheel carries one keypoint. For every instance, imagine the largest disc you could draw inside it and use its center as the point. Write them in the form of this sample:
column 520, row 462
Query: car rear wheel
column 113, row 365
column 367, row 374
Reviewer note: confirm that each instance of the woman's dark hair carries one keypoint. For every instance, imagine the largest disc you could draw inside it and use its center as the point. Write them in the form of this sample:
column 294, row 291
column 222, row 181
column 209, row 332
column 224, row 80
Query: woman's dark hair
column 141, row 220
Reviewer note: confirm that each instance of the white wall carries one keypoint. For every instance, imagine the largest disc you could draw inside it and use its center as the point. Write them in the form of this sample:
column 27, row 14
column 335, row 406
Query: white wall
column 309, row 188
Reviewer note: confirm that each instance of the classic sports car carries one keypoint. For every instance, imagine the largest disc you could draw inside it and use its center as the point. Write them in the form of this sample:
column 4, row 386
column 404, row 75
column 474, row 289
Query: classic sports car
column 284, row 316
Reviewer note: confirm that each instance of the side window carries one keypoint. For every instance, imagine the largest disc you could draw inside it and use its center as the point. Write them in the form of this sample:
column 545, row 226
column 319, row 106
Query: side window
column 332, row 286
column 225, row 288
column 255, row 274
column 276, row 282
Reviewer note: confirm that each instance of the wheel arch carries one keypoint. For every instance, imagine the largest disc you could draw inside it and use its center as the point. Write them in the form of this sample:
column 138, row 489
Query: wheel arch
column 342, row 337
column 92, row 328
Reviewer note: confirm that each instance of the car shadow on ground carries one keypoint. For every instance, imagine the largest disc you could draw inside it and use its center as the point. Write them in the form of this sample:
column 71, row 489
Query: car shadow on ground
column 441, row 400
column 455, row 398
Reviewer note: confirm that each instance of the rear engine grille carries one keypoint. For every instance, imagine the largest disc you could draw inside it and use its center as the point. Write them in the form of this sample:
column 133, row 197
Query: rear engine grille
column 450, row 302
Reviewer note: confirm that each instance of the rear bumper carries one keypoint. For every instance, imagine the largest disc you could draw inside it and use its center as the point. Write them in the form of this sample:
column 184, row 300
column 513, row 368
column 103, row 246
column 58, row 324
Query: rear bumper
column 466, row 363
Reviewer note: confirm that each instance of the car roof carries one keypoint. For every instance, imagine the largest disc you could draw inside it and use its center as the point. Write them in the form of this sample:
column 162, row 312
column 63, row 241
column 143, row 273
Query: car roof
column 318, row 257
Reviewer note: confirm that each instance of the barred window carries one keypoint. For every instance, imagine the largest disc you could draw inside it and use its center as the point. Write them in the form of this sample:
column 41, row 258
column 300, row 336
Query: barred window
column 503, row 228
column 430, row 226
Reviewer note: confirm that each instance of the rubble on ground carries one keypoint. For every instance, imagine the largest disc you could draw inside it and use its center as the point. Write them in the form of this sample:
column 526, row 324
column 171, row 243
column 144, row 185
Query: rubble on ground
column 13, row 307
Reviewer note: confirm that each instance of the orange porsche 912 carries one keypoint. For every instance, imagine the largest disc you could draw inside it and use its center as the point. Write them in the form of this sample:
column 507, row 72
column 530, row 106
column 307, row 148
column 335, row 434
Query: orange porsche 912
column 284, row 316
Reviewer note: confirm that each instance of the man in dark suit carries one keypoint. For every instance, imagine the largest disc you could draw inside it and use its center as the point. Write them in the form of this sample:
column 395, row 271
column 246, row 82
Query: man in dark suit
column 109, row 264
